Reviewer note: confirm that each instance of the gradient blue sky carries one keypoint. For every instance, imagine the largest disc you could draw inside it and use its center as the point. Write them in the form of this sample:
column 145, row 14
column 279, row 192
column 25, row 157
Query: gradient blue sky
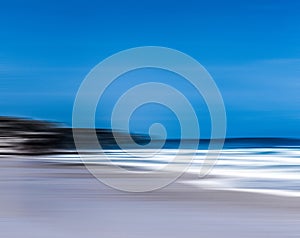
column 251, row 48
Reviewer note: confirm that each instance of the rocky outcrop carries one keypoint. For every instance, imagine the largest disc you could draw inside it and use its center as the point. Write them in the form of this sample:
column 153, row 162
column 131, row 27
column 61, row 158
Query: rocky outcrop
column 26, row 136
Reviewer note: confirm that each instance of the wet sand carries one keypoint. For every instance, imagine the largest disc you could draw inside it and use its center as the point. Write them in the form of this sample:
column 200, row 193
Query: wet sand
column 53, row 200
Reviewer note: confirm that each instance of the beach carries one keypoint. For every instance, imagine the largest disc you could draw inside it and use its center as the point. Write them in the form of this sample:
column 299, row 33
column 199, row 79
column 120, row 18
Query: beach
column 42, row 199
column 150, row 119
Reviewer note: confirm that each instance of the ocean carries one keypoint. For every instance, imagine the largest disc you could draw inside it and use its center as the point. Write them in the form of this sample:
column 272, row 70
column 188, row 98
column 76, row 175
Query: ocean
column 256, row 165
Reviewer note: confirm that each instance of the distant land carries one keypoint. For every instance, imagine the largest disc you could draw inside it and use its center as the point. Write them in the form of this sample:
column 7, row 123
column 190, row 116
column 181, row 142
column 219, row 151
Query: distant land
column 27, row 136
column 33, row 137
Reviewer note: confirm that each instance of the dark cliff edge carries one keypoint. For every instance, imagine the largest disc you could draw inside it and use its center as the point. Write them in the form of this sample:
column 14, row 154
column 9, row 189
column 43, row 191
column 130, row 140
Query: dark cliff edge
column 28, row 137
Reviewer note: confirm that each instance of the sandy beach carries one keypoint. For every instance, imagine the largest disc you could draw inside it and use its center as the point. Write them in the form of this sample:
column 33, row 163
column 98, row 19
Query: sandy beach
column 52, row 200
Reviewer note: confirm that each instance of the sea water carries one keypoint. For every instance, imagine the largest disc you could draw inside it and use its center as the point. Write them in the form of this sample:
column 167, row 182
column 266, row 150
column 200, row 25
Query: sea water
column 270, row 166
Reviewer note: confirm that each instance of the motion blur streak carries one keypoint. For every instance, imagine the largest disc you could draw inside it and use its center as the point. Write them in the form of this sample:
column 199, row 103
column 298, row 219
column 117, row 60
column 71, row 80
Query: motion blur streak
column 55, row 196
column 41, row 199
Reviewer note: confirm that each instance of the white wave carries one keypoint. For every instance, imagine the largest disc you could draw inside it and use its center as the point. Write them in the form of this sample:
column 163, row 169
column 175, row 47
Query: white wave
column 264, row 170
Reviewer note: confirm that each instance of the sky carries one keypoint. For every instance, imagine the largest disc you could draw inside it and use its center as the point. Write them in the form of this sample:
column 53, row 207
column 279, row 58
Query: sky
column 250, row 48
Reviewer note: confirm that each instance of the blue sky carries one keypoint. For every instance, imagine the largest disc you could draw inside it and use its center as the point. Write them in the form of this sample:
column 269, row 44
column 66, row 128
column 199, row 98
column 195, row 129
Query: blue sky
column 251, row 49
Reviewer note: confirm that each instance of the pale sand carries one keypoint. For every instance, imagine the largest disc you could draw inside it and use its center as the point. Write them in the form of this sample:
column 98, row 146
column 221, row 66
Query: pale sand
column 44, row 200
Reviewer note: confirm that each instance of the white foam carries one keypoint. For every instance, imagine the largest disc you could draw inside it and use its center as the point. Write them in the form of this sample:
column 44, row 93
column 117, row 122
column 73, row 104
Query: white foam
column 272, row 171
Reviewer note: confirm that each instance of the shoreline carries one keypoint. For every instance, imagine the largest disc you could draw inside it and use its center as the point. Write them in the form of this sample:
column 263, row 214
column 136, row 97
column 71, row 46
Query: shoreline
column 67, row 201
